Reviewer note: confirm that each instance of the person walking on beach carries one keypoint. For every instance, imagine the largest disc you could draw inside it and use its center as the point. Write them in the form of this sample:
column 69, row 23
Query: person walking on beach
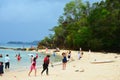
column 64, row 61
column 46, row 64
column 33, row 66
column 7, row 62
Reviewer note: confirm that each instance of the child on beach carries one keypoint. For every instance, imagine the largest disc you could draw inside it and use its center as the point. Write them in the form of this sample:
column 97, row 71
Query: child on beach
column 1, row 68
column 46, row 64
column 64, row 60
column 33, row 66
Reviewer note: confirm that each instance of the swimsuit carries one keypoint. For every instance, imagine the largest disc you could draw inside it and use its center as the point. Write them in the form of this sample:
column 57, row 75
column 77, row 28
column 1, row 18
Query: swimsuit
column 33, row 66
column 64, row 60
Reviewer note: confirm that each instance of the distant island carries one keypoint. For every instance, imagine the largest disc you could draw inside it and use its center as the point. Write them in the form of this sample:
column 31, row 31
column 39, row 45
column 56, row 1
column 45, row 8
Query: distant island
column 19, row 42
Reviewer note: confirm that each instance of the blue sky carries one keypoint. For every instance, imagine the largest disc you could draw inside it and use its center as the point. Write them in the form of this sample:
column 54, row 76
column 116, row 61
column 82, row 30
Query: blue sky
column 29, row 20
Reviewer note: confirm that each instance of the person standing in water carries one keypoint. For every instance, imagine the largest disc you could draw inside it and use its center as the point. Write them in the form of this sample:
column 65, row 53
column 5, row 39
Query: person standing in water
column 7, row 62
column 33, row 66
column 18, row 57
column 46, row 64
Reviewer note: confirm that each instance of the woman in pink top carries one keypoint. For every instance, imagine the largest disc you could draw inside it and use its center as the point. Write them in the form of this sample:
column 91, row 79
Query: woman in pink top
column 33, row 66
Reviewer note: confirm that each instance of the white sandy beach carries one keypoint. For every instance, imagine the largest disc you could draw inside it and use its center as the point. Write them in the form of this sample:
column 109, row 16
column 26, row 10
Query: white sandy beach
column 76, row 70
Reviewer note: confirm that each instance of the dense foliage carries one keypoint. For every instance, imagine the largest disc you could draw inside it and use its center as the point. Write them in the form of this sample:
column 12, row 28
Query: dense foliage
column 95, row 27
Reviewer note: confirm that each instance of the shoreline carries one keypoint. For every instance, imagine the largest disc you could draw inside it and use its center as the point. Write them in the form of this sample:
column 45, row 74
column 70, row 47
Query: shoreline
column 12, row 69
column 80, row 69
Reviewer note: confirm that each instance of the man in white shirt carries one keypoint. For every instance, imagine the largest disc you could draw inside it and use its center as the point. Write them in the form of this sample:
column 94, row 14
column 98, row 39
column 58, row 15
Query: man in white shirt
column 7, row 62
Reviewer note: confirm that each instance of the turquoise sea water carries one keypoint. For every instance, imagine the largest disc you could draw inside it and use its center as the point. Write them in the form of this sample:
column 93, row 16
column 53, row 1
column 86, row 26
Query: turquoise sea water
column 25, row 61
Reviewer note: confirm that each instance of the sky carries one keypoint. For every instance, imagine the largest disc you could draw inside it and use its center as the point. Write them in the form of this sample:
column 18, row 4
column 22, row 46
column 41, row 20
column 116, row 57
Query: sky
column 29, row 20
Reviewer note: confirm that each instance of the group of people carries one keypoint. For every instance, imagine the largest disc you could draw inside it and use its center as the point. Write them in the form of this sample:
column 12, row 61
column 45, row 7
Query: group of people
column 46, row 61
column 67, row 57
column 45, row 65
column 32, row 67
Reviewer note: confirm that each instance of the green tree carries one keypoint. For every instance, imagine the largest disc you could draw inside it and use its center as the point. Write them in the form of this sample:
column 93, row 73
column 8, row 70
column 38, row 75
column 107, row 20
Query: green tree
column 95, row 27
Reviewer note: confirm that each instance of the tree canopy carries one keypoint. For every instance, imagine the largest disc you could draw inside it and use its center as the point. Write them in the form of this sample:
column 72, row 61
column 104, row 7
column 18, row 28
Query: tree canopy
column 95, row 27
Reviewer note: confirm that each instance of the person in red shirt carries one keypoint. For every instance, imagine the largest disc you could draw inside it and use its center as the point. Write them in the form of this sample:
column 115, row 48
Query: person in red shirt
column 45, row 64
column 18, row 57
